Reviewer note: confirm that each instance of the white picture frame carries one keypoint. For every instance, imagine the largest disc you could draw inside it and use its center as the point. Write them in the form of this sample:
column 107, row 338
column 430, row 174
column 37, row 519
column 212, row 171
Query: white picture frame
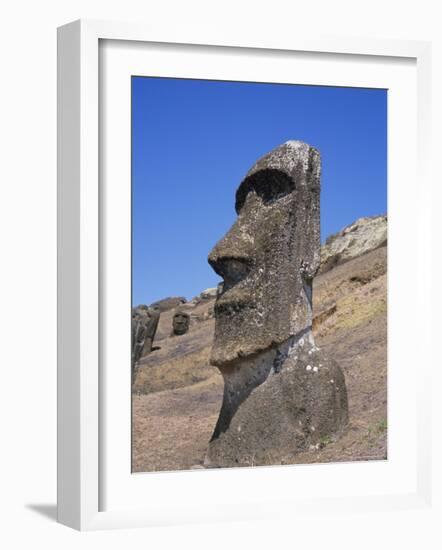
column 81, row 395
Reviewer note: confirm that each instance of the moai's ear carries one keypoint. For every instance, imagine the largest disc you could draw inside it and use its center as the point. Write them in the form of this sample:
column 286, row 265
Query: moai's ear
column 308, row 216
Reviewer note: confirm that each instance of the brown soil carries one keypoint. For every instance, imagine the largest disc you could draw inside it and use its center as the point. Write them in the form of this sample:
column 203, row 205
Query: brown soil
column 177, row 394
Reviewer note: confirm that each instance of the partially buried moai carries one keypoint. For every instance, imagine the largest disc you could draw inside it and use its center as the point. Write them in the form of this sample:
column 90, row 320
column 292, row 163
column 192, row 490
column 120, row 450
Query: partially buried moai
column 180, row 323
column 144, row 326
column 282, row 394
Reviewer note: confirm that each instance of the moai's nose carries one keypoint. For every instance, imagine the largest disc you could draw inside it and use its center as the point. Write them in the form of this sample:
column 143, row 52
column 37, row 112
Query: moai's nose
column 231, row 258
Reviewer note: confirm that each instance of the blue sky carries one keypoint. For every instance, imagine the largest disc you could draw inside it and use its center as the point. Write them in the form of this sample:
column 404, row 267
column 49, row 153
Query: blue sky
column 194, row 140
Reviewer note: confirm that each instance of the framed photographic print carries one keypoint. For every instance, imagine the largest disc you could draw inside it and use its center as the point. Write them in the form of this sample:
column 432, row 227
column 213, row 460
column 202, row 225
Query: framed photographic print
column 234, row 251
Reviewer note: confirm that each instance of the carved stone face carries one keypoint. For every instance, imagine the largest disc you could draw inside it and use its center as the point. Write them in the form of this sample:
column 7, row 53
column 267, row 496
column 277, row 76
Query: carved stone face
column 180, row 323
column 269, row 256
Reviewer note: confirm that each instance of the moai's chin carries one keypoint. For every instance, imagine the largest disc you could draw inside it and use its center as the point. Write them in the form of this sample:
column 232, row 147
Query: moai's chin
column 226, row 353
column 221, row 357
column 237, row 338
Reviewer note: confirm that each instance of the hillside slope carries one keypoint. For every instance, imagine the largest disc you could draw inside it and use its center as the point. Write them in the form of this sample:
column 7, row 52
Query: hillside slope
column 177, row 394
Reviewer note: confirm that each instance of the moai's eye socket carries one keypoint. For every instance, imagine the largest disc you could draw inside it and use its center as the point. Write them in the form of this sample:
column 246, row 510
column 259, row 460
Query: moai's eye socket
column 270, row 185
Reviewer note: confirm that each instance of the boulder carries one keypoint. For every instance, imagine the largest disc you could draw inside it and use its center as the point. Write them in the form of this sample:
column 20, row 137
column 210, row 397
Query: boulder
column 362, row 236
column 168, row 303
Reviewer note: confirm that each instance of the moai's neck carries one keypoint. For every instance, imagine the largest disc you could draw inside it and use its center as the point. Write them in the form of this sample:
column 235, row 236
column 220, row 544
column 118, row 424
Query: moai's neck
column 242, row 376
column 291, row 347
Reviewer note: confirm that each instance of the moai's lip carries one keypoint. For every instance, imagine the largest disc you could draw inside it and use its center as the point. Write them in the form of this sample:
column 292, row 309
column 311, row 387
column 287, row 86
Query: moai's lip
column 232, row 303
column 235, row 293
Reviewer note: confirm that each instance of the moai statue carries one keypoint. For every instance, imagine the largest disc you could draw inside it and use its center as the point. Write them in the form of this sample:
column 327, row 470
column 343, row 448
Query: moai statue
column 282, row 394
column 144, row 326
column 180, row 323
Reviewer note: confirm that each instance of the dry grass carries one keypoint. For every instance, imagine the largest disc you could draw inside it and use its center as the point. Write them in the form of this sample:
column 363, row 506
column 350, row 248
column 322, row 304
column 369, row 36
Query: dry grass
column 177, row 373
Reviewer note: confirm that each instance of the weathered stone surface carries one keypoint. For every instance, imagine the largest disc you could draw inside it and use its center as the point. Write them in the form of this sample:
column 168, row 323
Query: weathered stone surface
column 168, row 303
column 283, row 409
column 144, row 326
column 360, row 237
column 209, row 293
column 180, row 323
column 270, row 255
column 204, row 296
column 263, row 318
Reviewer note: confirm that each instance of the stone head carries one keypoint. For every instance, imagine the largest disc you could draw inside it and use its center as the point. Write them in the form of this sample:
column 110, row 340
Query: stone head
column 139, row 312
column 180, row 322
column 269, row 256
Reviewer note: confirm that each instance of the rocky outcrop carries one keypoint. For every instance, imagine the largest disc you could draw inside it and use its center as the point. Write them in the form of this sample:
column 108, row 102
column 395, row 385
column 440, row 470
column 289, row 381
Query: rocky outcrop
column 362, row 236
column 209, row 293
column 204, row 296
column 168, row 303
column 144, row 326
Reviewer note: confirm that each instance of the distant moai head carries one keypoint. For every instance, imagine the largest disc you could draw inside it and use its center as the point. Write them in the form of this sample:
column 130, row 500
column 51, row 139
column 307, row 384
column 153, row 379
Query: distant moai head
column 269, row 256
column 180, row 323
